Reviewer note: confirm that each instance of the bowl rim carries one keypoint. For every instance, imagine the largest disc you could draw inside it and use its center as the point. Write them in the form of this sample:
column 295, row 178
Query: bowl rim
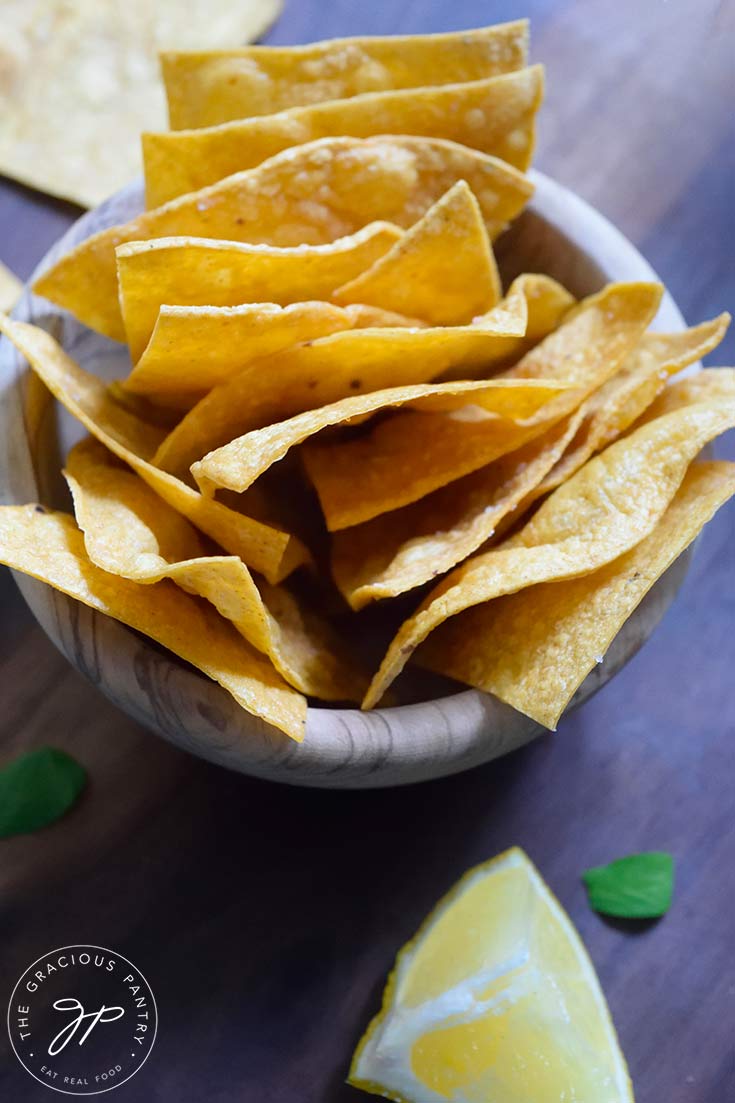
column 343, row 747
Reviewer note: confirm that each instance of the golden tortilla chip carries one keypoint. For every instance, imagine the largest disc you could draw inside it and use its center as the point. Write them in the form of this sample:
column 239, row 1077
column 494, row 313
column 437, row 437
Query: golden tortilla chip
column 205, row 88
column 442, row 269
column 534, row 648
column 707, row 385
column 130, row 532
column 181, row 271
column 323, row 371
column 236, row 465
column 412, row 454
column 356, row 180
column 603, row 511
column 10, row 288
column 619, row 402
column 408, row 547
column 266, row 549
column 80, row 81
column 194, row 348
column 495, row 116
column 48, row 546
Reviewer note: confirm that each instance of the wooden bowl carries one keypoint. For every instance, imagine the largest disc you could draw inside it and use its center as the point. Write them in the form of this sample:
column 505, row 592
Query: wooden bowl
column 558, row 234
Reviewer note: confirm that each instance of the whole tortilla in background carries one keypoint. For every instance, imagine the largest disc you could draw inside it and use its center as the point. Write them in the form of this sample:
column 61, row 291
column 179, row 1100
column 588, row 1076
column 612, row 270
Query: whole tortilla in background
column 80, row 80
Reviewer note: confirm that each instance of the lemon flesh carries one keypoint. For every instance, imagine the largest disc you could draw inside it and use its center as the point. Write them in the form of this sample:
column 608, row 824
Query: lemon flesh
column 494, row 1001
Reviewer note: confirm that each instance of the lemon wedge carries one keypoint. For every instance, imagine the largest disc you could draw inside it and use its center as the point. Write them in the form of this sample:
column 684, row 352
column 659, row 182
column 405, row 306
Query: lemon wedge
column 494, row 1001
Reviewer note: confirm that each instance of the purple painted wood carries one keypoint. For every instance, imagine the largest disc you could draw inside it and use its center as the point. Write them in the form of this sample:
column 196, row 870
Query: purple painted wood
column 266, row 918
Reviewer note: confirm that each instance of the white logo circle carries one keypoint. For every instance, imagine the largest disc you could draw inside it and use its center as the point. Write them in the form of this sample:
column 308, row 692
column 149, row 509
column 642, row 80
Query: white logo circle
column 82, row 1020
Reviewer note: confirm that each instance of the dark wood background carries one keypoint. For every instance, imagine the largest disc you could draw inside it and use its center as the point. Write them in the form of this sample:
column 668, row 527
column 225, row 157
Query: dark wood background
column 266, row 918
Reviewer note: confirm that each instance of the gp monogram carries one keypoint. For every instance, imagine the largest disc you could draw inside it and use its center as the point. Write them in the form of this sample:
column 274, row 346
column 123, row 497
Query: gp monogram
column 82, row 1020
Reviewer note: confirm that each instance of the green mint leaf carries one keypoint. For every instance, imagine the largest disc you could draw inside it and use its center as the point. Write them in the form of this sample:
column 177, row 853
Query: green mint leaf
column 37, row 789
column 637, row 887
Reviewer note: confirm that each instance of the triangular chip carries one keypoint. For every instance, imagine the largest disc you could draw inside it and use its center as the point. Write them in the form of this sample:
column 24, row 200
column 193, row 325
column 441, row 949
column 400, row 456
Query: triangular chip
column 200, row 271
column 191, row 271
column 205, row 88
column 603, row 511
column 534, row 648
column 356, row 180
column 264, row 548
column 495, row 115
column 408, row 547
column 236, row 465
column 621, row 401
column 130, row 532
column 441, row 270
column 412, row 454
column 50, row 547
column 323, row 371
column 194, row 348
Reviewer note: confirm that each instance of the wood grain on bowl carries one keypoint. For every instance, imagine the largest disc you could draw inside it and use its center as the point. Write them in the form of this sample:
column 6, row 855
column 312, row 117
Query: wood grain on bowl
column 559, row 235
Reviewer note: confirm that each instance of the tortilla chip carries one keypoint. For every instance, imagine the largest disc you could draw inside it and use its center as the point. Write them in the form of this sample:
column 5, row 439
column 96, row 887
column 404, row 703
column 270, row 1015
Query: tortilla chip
column 412, row 454
column 10, row 288
column 619, row 402
column 130, row 532
column 181, row 271
column 609, row 506
column 408, row 547
column 238, row 464
column 534, row 648
column 441, row 270
column 266, row 549
column 194, row 348
column 356, row 181
column 205, row 88
column 495, row 116
column 330, row 368
column 707, row 385
column 80, row 81
column 48, row 546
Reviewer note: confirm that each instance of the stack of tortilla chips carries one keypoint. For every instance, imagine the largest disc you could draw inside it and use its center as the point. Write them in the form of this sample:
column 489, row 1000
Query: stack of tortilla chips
column 333, row 402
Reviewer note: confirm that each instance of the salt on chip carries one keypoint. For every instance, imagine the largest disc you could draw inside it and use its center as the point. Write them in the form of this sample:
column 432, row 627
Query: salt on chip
column 264, row 548
column 495, row 115
column 130, row 532
column 441, row 270
column 205, row 88
column 194, row 348
column 48, row 546
column 356, row 180
column 413, row 454
column 323, row 371
column 403, row 549
column 534, row 648
column 235, row 466
column 609, row 506
column 186, row 271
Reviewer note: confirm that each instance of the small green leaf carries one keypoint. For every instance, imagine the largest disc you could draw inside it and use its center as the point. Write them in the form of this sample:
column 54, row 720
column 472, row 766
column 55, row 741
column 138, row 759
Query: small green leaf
column 637, row 887
column 37, row 789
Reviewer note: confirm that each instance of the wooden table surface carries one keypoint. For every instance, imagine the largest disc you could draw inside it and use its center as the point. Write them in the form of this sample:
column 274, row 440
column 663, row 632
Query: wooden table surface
column 266, row 918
